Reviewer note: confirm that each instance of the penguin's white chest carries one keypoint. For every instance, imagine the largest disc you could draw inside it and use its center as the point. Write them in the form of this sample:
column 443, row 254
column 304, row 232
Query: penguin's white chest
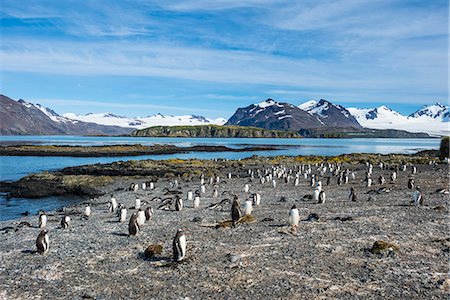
column 123, row 215
column 137, row 203
column 182, row 242
column 141, row 218
column 189, row 196
column 43, row 221
column 87, row 211
column 248, row 207
column 294, row 217
column 197, row 201
column 316, row 194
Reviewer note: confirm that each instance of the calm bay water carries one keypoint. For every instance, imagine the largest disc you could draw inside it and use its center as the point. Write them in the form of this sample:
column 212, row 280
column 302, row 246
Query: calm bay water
column 15, row 167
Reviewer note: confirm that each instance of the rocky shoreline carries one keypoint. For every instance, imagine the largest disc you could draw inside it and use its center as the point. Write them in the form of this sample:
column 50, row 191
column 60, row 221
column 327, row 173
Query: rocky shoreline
column 340, row 252
column 116, row 150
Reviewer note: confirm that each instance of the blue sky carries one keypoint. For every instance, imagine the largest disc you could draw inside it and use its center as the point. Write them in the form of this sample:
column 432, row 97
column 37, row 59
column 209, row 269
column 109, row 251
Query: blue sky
column 205, row 57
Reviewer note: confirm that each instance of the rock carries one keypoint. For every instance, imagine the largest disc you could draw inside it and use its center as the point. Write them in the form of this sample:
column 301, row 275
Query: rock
column 233, row 257
column 380, row 247
column 313, row 217
column 197, row 219
column 153, row 250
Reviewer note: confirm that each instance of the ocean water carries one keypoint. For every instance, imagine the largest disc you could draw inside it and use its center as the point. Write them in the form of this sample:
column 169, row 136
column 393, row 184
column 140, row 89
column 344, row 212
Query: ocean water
column 16, row 167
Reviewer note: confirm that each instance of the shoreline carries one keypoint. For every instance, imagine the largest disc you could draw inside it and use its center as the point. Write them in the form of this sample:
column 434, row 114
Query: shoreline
column 118, row 150
column 326, row 258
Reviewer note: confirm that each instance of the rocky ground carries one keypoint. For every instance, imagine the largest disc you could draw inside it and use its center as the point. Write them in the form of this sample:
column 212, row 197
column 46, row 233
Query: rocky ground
column 327, row 258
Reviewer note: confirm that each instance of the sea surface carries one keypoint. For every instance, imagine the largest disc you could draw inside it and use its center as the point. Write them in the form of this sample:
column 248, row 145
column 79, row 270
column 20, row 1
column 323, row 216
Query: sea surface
column 16, row 167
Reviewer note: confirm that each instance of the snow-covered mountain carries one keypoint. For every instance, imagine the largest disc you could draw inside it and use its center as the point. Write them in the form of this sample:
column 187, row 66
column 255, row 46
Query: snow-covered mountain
column 330, row 114
column 144, row 122
column 432, row 119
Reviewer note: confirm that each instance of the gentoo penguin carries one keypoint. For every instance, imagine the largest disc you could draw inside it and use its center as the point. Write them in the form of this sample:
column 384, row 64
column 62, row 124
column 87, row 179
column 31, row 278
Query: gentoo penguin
column 122, row 214
column 133, row 226
column 297, row 181
column 178, row 203
column 369, row 182
column 274, row 183
column 42, row 219
column 315, row 195
column 393, row 176
column 381, row 180
column 65, row 222
column 417, row 197
column 322, row 197
column 248, row 207
column 113, row 204
column 202, row 189
column 190, row 196
column 352, row 195
column 141, row 217
column 43, row 242
column 179, row 246
column 144, row 185
column 294, row 217
column 411, row 184
column 246, row 188
column 319, row 185
column 256, row 199
column 197, row 201
column 87, row 210
column 152, row 186
column 148, row 213
column 215, row 193
column 414, row 170
column 235, row 211
column 137, row 203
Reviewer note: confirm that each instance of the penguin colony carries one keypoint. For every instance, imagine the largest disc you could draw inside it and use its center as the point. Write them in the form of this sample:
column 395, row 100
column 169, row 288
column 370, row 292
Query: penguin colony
column 249, row 199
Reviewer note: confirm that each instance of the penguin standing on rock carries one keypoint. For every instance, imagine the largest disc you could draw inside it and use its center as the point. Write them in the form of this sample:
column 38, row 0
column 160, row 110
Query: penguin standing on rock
column 133, row 226
column 43, row 242
column 178, row 203
column 256, row 199
column 122, row 213
column 148, row 213
column 42, row 219
column 65, row 222
column 179, row 246
column 113, row 204
column 322, row 197
column 294, row 217
column 417, row 197
column 352, row 195
column 235, row 211
column 197, row 201
column 248, row 207
column 87, row 210
column 411, row 184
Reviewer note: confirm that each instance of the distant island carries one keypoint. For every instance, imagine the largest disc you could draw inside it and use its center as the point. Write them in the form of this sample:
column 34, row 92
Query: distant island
column 213, row 131
column 233, row 131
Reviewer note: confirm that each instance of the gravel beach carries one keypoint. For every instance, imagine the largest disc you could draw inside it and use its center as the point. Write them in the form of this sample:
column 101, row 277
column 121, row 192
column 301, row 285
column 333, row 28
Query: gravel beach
column 326, row 258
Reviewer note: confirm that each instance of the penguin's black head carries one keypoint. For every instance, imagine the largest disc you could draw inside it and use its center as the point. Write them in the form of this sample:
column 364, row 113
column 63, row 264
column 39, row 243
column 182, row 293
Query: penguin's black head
column 293, row 207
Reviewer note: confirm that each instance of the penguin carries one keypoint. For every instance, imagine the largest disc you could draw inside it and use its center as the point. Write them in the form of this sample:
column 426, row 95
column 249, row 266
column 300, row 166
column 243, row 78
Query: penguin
column 179, row 246
column 315, row 195
column 113, row 204
column 122, row 214
column 65, row 222
column 393, row 176
column 196, row 201
column 43, row 242
column 248, row 207
column 215, row 193
column 87, row 210
column 42, row 219
column 256, row 199
column 135, row 187
column 202, row 189
column 417, row 197
column 133, row 226
column 190, row 195
column 328, row 180
column 352, row 195
column 148, row 213
column 294, row 217
column 274, row 183
column 141, row 217
column 297, row 181
column 152, row 186
column 235, row 211
column 414, row 170
column 369, row 182
column 381, row 180
column 322, row 197
column 137, row 203
column 178, row 203
column 411, row 184
column 246, row 188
